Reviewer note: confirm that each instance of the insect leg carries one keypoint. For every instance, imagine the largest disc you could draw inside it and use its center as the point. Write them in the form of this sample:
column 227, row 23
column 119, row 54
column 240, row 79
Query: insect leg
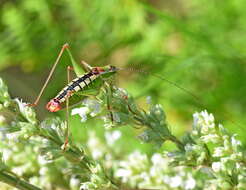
column 69, row 69
column 86, row 66
column 108, row 100
column 65, row 46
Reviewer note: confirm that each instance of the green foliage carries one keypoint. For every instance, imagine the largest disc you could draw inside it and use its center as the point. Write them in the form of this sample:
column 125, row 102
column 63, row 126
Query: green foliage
column 197, row 45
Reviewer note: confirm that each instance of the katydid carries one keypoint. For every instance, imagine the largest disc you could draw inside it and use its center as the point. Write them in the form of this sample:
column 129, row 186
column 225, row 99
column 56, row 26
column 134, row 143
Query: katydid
column 88, row 82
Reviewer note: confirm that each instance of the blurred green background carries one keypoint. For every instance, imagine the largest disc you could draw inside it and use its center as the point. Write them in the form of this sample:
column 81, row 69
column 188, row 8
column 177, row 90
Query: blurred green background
column 197, row 44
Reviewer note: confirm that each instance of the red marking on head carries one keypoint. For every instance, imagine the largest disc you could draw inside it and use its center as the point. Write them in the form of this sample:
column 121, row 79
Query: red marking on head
column 53, row 106
column 98, row 70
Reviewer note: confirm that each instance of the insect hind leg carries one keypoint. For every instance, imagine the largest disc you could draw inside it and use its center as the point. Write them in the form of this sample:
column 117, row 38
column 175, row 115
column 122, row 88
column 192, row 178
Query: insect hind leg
column 64, row 146
column 65, row 46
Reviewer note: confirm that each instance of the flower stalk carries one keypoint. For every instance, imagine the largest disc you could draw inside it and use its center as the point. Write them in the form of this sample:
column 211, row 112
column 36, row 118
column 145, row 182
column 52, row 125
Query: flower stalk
column 16, row 182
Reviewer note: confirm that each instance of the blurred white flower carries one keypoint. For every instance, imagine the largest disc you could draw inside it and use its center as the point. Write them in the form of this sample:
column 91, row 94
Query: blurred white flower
column 74, row 182
column 83, row 111
column 149, row 100
column 138, row 160
column 218, row 151
column 2, row 119
column 157, row 159
column 93, row 105
column 235, row 143
column 124, row 174
column 213, row 138
column 7, row 154
column 84, row 186
column 145, row 177
column 19, row 170
column 111, row 137
column 216, row 166
column 27, row 111
column 12, row 136
column 43, row 171
column 42, row 160
column 175, row 181
column 190, row 183
column 96, row 154
column 95, row 145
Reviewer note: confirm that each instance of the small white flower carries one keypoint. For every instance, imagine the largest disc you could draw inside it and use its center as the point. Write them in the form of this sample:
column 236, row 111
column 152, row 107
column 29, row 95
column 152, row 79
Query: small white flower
column 6, row 104
column 209, row 118
column 175, row 181
column 137, row 159
column 43, row 171
column 195, row 119
column 83, row 111
column 112, row 137
column 74, row 182
column 216, row 166
column 20, row 170
column 124, row 174
column 93, row 105
column 219, row 151
column 97, row 154
column 145, row 176
column 203, row 121
column 53, row 126
column 94, row 144
column 157, row 159
column 149, row 100
column 190, row 183
column 166, row 179
column 26, row 111
column 12, row 136
column 42, row 160
column 84, row 186
column 213, row 138
column 153, row 171
column 7, row 154
column 189, row 147
column 235, row 143
column 2, row 119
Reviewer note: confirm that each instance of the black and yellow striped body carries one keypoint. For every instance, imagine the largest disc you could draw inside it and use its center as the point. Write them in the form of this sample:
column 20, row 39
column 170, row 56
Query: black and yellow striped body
column 85, row 85
column 76, row 85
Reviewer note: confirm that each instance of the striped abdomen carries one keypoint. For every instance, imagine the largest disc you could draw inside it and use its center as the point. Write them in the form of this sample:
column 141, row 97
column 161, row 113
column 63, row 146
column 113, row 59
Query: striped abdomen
column 75, row 86
column 78, row 84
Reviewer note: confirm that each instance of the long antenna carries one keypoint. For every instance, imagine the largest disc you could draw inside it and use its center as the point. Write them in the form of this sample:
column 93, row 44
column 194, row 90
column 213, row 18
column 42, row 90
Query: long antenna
column 195, row 97
column 165, row 79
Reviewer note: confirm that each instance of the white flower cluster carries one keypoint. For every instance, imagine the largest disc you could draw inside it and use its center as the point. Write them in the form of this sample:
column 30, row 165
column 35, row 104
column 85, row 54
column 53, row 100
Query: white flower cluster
column 209, row 157
column 155, row 173
column 226, row 157
column 90, row 107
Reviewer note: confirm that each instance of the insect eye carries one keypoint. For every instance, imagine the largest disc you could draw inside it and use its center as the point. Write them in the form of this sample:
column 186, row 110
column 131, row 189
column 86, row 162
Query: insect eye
column 95, row 71
column 112, row 68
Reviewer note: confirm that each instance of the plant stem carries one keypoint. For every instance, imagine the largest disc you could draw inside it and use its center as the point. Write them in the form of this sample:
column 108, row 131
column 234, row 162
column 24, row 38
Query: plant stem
column 179, row 144
column 16, row 182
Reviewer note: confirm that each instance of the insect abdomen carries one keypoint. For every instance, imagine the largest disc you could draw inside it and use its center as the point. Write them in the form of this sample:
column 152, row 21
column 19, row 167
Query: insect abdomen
column 74, row 86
